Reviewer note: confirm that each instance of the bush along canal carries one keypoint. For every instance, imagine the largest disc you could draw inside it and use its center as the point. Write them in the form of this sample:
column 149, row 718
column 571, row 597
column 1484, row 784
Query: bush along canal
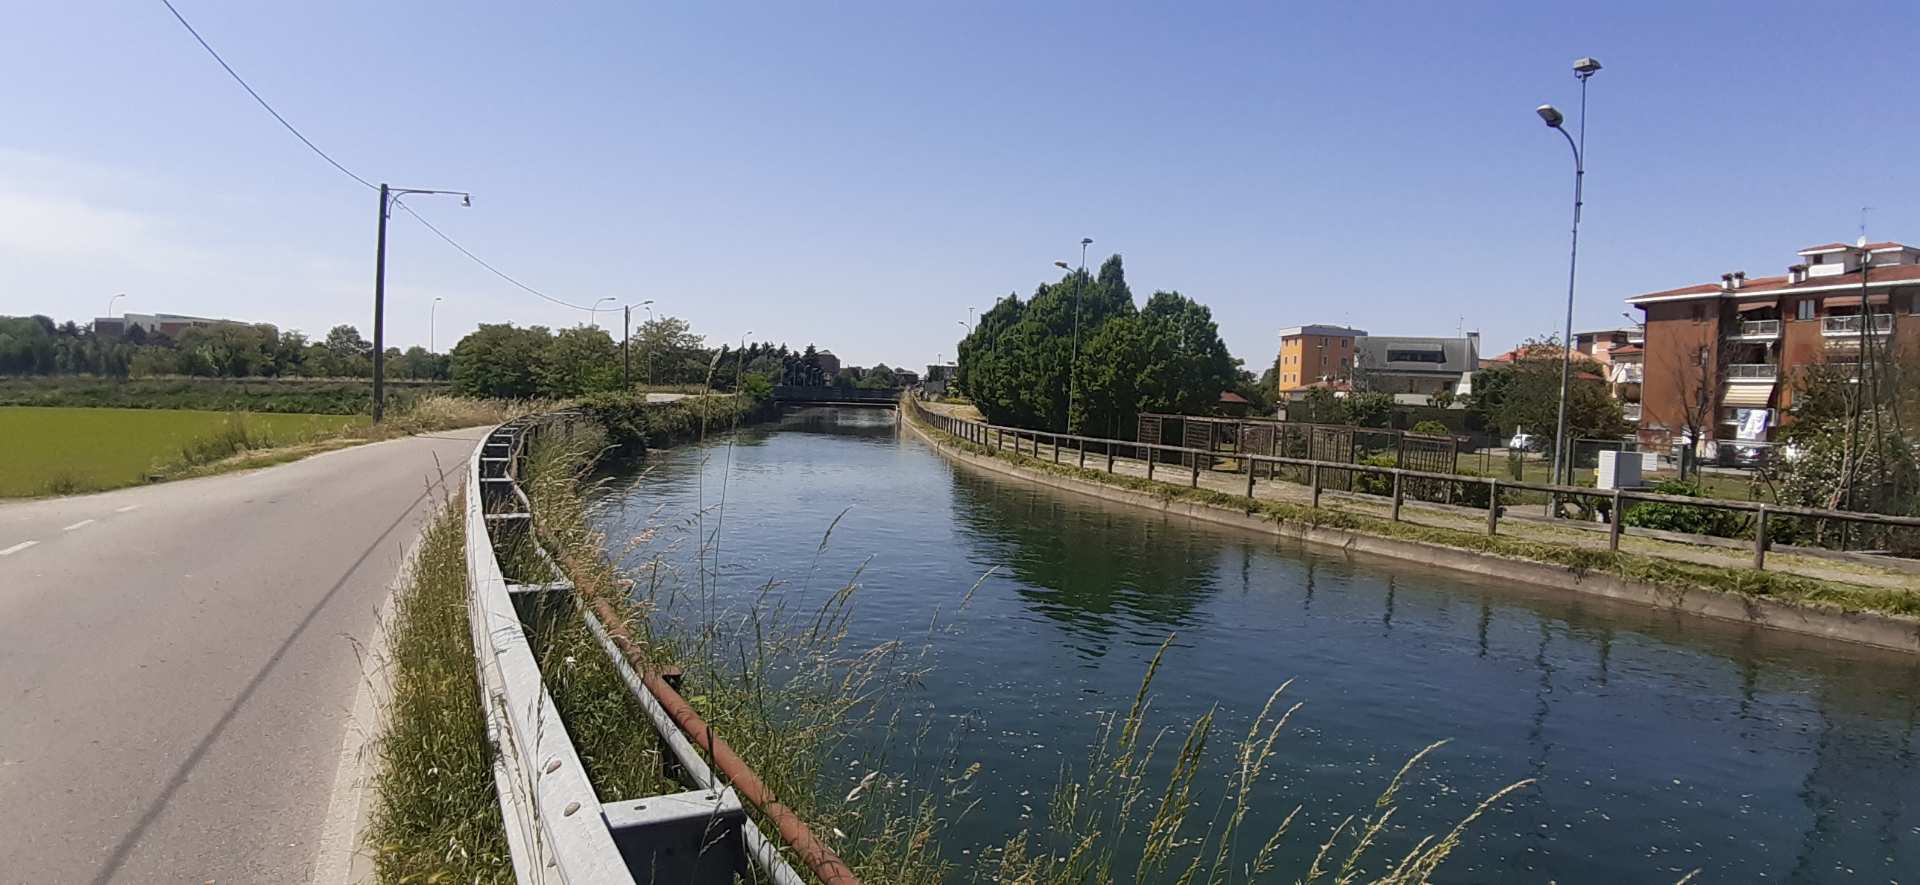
column 1011, row 626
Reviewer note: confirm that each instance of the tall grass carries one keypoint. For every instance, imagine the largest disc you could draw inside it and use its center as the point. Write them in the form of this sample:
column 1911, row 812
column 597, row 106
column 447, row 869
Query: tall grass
column 435, row 815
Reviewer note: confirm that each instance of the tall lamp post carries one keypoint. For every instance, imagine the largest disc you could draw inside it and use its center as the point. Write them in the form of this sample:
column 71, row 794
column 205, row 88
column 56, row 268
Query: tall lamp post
column 1074, row 361
column 110, row 302
column 593, row 313
column 626, row 341
column 387, row 197
column 433, row 311
column 1582, row 69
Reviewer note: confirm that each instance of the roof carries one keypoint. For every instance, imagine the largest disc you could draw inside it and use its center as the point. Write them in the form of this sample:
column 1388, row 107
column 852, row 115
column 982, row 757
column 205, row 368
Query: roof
column 1337, row 331
column 1628, row 350
column 1887, row 246
column 1774, row 286
column 1228, row 396
column 1457, row 355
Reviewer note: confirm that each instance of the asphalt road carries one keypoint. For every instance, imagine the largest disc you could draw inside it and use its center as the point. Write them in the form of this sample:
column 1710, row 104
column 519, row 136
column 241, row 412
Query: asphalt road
column 177, row 662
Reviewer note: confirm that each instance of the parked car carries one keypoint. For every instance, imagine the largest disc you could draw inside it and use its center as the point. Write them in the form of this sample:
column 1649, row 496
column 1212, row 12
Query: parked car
column 1524, row 442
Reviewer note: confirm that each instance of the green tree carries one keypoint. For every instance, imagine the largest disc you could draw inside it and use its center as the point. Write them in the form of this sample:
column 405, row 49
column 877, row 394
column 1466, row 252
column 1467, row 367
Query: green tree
column 498, row 360
column 577, row 360
column 1525, row 395
column 666, row 351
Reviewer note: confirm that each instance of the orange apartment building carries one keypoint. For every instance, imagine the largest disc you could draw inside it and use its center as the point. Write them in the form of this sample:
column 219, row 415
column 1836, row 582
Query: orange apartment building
column 1315, row 354
column 1725, row 356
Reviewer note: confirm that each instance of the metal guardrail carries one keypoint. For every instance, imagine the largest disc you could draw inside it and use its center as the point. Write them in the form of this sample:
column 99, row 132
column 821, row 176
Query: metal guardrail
column 1188, row 460
column 1759, row 329
column 558, row 831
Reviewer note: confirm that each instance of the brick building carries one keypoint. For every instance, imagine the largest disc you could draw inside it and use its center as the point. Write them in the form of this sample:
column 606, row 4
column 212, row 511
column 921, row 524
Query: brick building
column 1723, row 357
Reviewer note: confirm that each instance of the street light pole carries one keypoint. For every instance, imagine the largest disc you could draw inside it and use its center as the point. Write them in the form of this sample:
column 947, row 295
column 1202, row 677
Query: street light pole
column 110, row 302
column 1073, row 363
column 593, row 313
column 387, row 197
column 1582, row 70
column 432, row 317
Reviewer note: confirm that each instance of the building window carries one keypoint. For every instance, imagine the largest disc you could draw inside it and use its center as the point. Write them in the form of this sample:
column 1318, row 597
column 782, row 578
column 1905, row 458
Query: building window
column 1817, row 259
column 1416, row 356
column 1803, row 309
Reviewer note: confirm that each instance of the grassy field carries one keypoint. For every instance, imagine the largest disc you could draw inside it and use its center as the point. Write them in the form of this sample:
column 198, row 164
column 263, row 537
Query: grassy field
column 68, row 450
column 329, row 396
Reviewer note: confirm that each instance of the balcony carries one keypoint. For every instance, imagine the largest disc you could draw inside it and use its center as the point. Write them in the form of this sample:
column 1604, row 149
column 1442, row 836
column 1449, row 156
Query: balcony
column 1850, row 325
column 1758, row 330
column 1763, row 372
column 1630, row 411
column 1627, row 373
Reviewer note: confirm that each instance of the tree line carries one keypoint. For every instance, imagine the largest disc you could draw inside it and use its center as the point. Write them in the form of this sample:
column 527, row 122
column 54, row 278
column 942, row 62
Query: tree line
column 1019, row 365
column 36, row 345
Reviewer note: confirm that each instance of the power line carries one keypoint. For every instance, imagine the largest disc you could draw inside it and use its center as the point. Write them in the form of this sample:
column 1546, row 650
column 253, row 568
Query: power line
column 350, row 174
column 263, row 102
column 482, row 262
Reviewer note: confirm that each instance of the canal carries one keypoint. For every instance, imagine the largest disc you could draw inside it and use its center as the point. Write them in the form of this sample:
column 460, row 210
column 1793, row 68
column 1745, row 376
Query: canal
column 1660, row 743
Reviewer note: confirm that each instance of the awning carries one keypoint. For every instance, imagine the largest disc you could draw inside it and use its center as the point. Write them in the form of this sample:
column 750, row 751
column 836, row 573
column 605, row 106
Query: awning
column 1748, row 395
column 1758, row 305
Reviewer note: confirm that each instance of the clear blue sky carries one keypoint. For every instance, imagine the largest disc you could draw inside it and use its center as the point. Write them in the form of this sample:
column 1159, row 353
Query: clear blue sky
column 857, row 175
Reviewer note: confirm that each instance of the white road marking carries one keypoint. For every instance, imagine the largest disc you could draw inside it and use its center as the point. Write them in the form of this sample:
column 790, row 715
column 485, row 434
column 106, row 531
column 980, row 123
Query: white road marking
column 78, row 525
column 17, row 548
column 128, row 508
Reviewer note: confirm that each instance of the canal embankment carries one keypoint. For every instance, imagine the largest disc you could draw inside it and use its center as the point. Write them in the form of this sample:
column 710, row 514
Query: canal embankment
column 1880, row 609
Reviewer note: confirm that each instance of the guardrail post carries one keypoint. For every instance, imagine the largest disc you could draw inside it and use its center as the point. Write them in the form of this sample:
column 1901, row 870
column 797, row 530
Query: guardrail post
column 1619, row 519
column 1149, row 462
column 1313, row 479
column 1760, row 539
column 1081, row 444
column 1249, row 476
column 1056, row 448
column 1397, row 477
column 1493, row 506
column 1196, row 470
column 1109, row 456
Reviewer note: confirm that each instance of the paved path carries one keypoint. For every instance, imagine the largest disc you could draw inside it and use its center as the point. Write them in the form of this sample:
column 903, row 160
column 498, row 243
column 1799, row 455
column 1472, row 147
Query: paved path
column 177, row 662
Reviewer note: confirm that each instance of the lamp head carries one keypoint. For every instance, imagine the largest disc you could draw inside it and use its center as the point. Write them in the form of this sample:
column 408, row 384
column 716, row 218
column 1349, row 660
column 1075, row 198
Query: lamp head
column 1086, row 241
column 466, row 200
column 1550, row 115
column 1586, row 67
column 1062, row 265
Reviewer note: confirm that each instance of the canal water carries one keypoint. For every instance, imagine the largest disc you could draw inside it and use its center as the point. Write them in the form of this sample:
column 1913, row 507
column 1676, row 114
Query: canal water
column 1659, row 743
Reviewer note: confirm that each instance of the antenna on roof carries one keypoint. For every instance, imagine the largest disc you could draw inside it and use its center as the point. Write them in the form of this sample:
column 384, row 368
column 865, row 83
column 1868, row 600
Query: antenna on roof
column 1863, row 224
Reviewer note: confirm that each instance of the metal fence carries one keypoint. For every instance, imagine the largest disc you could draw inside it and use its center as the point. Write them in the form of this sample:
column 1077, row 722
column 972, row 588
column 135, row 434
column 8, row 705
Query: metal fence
column 557, row 828
column 1760, row 522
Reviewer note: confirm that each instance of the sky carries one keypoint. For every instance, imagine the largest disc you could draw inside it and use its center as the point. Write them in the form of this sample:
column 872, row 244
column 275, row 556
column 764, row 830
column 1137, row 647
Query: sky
column 858, row 175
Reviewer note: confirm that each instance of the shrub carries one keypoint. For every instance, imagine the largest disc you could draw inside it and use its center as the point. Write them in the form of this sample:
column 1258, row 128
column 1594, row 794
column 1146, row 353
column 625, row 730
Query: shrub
column 1434, row 428
column 1375, row 483
column 1683, row 518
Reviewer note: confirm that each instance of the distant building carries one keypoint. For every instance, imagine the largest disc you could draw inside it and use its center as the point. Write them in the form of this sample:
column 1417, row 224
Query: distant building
column 168, row 324
column 1313, row 354
column 1724, row 356
column 829, row 364
column 939, row 375
column 1601, row 344
column 1417, row 367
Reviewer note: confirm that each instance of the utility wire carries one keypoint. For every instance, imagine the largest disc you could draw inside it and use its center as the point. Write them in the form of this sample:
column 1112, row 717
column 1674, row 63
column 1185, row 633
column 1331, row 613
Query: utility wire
column 349, row 173
column 483, row 263
column 263, row 102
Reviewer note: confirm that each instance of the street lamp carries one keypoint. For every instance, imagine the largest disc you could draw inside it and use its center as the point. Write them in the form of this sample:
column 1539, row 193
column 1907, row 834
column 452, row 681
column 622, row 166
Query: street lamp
column 1582, row 69
column 1073, row 363
column 110, row 302
column 432, row 310
column 593, row 312
column 388, row 196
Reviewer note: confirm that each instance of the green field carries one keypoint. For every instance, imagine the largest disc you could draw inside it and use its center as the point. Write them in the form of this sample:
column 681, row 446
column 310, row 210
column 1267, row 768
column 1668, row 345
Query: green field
column 67, row 450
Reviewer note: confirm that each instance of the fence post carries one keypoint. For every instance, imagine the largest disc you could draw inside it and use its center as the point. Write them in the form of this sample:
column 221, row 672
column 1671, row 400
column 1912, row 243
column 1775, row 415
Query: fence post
column 1313, row 478
column 1397, row 477
column 1249, row 458
column 1196, row 469
column 1493, row 506
column 1760, row 539
column 1081, row 444
column 1056, row 447
column 1149, row 462
column 1109, row 456
column 1613, row 531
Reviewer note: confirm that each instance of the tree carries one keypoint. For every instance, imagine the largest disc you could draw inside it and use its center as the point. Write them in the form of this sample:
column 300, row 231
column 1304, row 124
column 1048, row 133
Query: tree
column 666, row 351
column 577, row 360
column 498, row 360
column 1524, row 395
column 344, row 341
